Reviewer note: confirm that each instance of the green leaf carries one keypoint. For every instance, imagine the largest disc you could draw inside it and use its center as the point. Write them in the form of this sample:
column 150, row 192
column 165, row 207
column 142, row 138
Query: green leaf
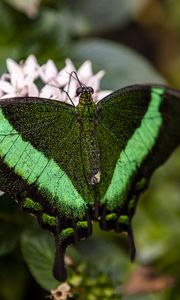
column 158, row 240
column 143, row 297
column 101, row 260
column 123, row 66
column 38, row 252
column 105, row 15
column 11, row 222
column 13, row 279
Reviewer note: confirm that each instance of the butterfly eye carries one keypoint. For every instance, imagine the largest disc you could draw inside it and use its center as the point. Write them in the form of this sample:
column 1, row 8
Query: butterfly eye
column 79, row 91
column 84, row 89
column 91, row 90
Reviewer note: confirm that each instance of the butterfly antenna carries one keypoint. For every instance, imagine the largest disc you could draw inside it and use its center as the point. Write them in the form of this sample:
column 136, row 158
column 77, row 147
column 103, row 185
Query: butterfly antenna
column 68, row 87
column 75, row 77
column 67, row 94
column 62, row 91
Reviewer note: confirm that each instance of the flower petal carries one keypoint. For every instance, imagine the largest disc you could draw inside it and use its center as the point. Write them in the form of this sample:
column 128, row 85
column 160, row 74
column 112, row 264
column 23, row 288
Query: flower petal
column 16, row 73
column 94, row 80
column 49, row 91
column 71, row 88
column 5, row 76
column 85, row 71
column 23, row 92
column 6, row 87
column 63, row 75
column 48, row 71
column 10, row 95
column 33, row 90
column 100, row 95
column 31, row 68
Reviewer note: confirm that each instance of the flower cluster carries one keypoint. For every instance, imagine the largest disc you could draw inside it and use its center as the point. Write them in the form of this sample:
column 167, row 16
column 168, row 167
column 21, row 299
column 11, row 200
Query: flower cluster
column 21, row 80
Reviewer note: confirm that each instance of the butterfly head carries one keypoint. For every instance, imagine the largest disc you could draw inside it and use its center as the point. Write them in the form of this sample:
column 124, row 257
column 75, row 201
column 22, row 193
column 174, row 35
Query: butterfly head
column 84, row 90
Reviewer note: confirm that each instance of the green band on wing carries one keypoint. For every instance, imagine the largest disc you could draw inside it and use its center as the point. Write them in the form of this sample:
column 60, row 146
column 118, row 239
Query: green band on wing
column 123, row 219
column 66, row 233
column 135, row 152
column 50, row 220
column 33, row 167
column 30, row 204
column 82, row 224
column 111, row 217
column 132, row 203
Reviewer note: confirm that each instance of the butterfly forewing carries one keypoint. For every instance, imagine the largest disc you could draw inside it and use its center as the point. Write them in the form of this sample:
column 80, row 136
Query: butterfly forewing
column 141, row 122
column 39, row 135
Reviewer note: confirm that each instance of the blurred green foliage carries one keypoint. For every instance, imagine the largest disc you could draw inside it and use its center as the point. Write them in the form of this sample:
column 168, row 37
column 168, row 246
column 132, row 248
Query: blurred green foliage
column 95, row 30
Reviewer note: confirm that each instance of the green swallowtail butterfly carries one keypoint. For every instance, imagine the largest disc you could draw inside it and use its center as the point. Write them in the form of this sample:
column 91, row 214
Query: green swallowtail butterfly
column 71, row 166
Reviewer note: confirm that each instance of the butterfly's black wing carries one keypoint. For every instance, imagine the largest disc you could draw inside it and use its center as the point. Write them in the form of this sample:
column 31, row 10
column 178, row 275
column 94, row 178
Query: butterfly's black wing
column 138, row 128
column 41, row 165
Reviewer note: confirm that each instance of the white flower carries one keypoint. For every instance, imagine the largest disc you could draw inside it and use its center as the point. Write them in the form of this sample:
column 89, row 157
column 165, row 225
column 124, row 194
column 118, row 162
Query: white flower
column 63, row 75
column 20, row 80
column 62, row 292
column 48, row 72
column 56, row 84
column 65, row 81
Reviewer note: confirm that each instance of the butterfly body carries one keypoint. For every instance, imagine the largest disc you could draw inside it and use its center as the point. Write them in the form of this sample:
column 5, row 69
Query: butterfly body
column 87, row 116
column 70, row 166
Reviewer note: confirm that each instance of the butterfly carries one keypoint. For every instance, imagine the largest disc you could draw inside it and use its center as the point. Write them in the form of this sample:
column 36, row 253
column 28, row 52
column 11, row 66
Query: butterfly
column 71, row 166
